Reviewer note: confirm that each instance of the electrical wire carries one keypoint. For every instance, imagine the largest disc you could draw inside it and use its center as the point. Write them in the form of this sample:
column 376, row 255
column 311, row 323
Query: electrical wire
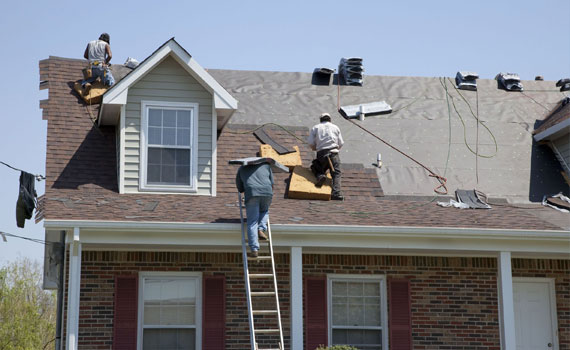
column 35, row 240
column 535, row 101
column 38, row 177
column 444, row 85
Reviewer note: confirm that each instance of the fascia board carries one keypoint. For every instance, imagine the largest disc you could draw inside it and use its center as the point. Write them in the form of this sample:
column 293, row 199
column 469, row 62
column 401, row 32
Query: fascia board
column 550, row 132
column 317, row 236
column 118, row 93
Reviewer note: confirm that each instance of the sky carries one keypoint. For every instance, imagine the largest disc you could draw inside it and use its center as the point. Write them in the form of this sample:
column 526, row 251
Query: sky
column 395, row 38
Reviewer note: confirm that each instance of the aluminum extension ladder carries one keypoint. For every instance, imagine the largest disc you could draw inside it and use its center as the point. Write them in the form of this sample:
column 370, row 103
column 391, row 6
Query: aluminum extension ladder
column 262, row 315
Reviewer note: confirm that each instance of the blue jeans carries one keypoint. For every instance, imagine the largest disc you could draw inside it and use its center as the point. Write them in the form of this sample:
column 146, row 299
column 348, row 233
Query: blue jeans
column 100, row 72
column 257, row 209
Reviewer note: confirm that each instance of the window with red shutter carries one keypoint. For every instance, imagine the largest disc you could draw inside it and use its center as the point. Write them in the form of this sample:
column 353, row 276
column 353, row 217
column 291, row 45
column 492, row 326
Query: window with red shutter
column 400, row 315
column 316, row 331
column 125, row 317
column 214, row 313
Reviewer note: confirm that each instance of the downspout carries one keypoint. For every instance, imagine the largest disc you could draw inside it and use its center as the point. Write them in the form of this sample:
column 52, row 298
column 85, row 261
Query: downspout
column 59, row 315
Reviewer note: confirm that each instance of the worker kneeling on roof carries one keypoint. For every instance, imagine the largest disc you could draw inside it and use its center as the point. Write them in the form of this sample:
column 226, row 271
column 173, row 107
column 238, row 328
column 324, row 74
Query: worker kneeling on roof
column 326, row 139
column 98, row 52
column 256, row 181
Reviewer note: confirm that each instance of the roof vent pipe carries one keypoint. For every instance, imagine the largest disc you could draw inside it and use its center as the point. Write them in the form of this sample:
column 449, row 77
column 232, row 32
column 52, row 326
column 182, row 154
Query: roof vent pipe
column 350, row 71
column 465, row 80
column 509, row 81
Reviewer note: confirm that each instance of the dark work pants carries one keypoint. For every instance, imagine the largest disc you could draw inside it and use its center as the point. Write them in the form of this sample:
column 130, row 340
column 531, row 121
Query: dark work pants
column 321, row 165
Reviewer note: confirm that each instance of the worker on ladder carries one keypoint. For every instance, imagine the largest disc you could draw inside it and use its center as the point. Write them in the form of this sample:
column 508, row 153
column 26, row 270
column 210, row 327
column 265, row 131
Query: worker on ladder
column 256, row 182
column 98, row 52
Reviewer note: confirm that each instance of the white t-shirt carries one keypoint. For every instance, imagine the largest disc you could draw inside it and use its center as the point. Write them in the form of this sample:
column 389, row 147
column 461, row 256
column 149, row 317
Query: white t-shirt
column 96, row 51
column 325, row 135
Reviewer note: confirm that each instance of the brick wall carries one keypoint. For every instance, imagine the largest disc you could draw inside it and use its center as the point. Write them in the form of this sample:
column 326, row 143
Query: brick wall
column 454, row 300
column 98, row 270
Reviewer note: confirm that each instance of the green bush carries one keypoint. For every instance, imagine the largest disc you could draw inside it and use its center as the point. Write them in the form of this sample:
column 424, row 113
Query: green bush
column 336, row 347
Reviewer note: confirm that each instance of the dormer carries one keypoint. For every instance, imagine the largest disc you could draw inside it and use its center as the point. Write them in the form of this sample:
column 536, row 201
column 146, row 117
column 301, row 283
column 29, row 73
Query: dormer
column 167, row 111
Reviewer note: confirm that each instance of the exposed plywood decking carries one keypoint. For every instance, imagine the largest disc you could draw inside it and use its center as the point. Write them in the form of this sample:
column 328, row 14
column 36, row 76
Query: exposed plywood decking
column 302, row 185
column 290, row 160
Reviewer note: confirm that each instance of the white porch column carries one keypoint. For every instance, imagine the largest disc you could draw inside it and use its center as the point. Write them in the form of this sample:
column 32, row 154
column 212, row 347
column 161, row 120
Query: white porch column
column 506, row 303
column 73, row 292
column 296, row 302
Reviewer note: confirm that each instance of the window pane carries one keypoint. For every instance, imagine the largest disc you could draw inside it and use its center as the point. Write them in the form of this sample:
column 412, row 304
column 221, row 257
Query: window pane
column 169, row 339
column 154, row 135
column 339, row 336
column 355, row 289
column 168, row 173
column 340, row 288
column 169, row 136
column 372, row 315
column 339, row 314
column 183, row 175
column 183, row 137
column 183, row 119
column 355, row 312
column 372, row 289
column 168, row 156
column 182, row 157
column 155, row 117
column 154, row 155
column 153, row 175
column 169, row 118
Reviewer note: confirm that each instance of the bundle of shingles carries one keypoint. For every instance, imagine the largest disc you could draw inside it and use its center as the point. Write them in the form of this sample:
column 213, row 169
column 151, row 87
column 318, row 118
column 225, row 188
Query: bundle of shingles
column 558, row 201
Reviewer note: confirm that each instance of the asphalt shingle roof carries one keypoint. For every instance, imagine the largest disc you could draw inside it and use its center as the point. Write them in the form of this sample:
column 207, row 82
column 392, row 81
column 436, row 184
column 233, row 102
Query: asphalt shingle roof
column 81, row 178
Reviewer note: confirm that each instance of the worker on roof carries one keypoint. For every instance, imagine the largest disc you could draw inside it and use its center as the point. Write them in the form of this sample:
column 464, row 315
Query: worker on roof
column 326, row 139
column 98, row 52
column 256, row 182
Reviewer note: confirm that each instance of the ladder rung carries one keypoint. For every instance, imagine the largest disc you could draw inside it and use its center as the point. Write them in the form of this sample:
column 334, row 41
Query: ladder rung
column 276, row 330
column 260, row 275
column 264, row 312
column 260, row 257
column 262, row 294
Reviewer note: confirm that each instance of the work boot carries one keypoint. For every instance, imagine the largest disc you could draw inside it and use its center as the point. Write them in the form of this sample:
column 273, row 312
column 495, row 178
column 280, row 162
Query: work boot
column 320, row 180
column 253, row 254
column 262, row 236
column 86, row 89
column 337, row 197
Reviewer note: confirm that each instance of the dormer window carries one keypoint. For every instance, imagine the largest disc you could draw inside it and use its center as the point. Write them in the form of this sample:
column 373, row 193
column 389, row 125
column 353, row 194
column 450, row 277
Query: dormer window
column 169, row 146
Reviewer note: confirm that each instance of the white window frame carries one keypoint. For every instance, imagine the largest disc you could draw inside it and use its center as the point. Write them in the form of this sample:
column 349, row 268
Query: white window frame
column 383, row 301
column 143, row 185
column 172, row 275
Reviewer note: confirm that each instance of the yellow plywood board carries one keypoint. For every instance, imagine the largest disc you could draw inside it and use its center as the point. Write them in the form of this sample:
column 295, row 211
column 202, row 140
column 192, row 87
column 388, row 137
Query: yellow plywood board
column 290, row 160
column 302, row 185
column 95, row 95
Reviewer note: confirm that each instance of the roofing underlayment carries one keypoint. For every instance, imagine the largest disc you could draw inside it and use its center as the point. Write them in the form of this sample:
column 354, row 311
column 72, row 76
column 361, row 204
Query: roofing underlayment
column 420, row 126
column 75, row 189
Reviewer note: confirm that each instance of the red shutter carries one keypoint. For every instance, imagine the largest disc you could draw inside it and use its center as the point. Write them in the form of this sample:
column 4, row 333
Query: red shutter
column 125, row 321
column 400, row 315
column 214, row 313
column 316, row 331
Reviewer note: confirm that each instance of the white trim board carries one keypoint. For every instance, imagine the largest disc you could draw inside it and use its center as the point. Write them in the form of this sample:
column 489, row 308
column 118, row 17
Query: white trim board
column 117, row 94
column 323, row 239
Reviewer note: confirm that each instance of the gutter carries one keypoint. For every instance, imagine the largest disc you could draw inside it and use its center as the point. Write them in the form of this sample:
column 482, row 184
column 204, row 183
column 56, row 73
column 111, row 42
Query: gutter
column 332, row 230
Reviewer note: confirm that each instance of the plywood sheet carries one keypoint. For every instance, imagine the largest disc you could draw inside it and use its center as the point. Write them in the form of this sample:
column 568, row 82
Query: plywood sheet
column 290, row 160
column 302, row 185
column 95, row 95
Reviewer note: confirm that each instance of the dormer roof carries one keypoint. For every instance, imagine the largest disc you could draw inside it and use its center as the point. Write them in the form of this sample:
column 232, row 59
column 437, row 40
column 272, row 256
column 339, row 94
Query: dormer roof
column 224, row 104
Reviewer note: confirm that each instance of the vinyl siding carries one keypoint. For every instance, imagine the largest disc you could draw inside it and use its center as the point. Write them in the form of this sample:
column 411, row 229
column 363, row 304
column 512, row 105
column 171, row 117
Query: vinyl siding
column 169, row 82
column 563, row 146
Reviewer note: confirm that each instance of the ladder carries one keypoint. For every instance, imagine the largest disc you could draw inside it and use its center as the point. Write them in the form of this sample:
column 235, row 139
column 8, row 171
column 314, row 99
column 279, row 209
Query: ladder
column 261, row 292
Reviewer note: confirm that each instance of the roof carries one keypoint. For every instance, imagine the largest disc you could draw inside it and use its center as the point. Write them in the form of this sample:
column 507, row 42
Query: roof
column 421, row 125
column 75, row 189
column 559, row 117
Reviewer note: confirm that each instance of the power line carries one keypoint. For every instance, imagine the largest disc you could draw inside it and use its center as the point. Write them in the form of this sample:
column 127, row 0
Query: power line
column 35, row 240
column 37, row 176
